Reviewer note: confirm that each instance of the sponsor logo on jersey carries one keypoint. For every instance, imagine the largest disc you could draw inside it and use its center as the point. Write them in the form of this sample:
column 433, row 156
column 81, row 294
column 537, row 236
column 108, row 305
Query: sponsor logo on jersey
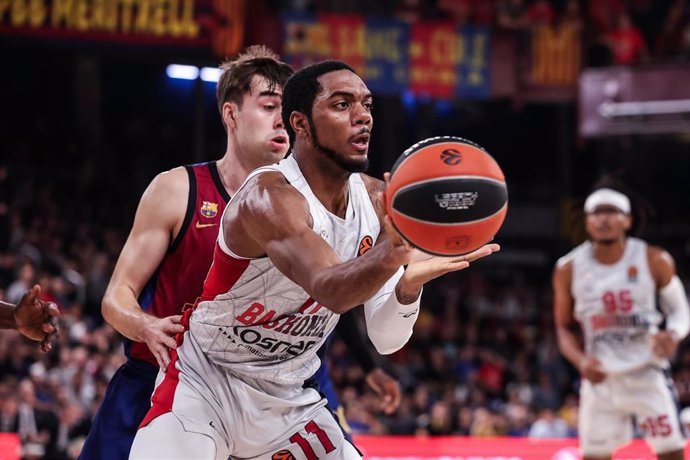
column 283, row 455
column 208, row 209
column 364, row 245
column 632, row 274
column 636, row 321
column 261, row 328
column 200, row 225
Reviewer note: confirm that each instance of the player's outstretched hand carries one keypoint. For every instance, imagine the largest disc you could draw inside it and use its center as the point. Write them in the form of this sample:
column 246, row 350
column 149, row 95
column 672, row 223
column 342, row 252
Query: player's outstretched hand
column 664, row 344
column 424, row 267
column 159, row 335
column 386, row 387
column 592, row 370
column 36, row 319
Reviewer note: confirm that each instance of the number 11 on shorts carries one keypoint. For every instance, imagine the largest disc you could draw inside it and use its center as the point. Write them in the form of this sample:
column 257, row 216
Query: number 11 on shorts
column 303, row 444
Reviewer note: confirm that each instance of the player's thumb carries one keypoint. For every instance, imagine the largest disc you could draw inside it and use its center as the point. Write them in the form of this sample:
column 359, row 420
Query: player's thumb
column 34, row 293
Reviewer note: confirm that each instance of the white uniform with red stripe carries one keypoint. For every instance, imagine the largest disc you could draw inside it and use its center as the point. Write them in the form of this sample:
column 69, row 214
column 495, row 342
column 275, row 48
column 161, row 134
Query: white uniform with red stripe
column 265, row 325
column 615, row 305
column 239, row 377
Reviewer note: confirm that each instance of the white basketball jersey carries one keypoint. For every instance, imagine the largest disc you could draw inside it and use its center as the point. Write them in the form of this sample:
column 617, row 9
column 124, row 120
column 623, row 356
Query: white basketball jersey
column 616, row 306
column 259, row 322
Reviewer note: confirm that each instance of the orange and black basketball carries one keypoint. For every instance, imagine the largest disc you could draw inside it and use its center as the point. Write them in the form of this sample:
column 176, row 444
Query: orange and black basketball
column 447, row 196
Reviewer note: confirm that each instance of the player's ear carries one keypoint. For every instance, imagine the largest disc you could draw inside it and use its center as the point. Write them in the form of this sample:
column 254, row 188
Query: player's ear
column 229, row 113
column 300, row 124
column 627, row 223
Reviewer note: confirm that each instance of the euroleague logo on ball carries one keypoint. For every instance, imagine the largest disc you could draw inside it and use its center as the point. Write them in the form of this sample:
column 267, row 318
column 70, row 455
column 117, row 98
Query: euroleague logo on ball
column 451, row 157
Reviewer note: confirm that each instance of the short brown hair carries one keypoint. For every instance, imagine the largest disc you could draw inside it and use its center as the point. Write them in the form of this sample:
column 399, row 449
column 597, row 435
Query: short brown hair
column 237, row 73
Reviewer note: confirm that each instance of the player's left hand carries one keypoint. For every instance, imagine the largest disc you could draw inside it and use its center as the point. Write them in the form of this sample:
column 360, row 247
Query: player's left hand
column 386, row 387
column 35, row 318
column 424, row 267
column 664, row 344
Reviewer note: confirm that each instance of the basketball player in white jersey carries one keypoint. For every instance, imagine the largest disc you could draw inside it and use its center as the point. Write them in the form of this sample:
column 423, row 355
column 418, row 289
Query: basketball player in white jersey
column 285, row 266
column 609, row 285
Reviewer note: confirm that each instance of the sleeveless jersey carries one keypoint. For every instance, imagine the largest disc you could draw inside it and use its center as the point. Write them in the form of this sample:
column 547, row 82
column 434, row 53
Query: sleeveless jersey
column 180, row 276
column 616, row 306
column 253, row 320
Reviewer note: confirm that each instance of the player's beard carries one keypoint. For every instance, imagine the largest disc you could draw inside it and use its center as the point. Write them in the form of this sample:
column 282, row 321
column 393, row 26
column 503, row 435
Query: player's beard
column 348, row 165
column 606, row 241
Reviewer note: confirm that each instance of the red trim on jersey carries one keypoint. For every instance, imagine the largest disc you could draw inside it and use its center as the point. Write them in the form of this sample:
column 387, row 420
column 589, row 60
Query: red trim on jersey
column 163, row 396
column 224, row 273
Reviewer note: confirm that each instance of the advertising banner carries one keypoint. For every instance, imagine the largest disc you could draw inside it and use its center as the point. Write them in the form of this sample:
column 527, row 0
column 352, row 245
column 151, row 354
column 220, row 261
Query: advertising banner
column 436, row 59
column 463, row 448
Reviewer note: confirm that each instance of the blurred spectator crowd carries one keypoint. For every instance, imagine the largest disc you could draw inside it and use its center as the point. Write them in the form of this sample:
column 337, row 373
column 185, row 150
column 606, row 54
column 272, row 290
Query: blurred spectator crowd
column 483, row 360
column 614, row 32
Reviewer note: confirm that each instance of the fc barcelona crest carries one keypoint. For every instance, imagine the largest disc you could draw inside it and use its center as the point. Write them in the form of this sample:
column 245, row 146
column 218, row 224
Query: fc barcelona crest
column 209, row 209
column 632, row 274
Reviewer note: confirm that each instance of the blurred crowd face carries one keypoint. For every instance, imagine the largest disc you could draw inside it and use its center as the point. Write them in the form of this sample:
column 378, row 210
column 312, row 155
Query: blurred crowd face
column 607, row 224
column 257, row 125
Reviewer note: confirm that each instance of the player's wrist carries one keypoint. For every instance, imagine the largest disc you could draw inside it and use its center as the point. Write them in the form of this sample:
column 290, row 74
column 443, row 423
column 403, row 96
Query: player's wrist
column 146, row 327
column 407, row 292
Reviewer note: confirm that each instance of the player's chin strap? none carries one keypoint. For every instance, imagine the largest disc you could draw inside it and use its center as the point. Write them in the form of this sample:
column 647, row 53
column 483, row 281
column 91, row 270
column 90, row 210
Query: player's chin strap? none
column 674, row 304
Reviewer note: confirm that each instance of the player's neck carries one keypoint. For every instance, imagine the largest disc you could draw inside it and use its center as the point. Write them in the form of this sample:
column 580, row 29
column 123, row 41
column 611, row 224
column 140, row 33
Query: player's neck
column 327, row 181
column 609, row 252
column 232, row 171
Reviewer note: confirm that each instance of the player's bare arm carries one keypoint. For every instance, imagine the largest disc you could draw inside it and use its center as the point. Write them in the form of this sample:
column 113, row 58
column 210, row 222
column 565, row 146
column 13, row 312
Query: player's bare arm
column 566, row 326
column 673, row 301
column 270, row 217
column 158, row 219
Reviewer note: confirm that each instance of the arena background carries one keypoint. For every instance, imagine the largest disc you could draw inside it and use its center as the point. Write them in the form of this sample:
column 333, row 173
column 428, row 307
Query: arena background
column 557, row 91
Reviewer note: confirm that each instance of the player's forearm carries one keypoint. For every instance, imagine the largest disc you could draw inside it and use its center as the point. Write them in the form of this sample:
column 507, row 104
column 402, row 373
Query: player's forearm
column 7, row 316
column 122, row 311
column 569, row 346
column 674, row 302
column 346, row 285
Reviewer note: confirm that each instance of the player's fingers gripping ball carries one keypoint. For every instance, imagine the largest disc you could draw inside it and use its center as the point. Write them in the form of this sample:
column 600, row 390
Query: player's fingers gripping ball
column 447, row 196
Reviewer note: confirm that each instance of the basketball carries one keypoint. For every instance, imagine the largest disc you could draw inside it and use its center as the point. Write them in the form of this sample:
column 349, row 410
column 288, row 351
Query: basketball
column 447, row 196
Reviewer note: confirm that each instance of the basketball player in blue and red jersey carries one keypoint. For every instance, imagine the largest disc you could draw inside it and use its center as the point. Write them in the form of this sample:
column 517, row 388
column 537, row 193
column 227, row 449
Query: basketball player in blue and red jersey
column 285, row 267
column 610, row 285
column 169, row 250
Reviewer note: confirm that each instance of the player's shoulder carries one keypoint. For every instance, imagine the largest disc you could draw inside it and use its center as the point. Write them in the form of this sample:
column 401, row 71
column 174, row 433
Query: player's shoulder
column 372, row 184
column 269, row 181
column 167, row 193
column 658, row 256
column 171, row 181
column 268, row 191
column 566, row 262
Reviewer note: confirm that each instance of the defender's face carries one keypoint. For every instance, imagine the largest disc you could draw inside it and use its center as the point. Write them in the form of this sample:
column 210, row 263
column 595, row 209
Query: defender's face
column 341, row 118
column 260, row 132
column 607, row 223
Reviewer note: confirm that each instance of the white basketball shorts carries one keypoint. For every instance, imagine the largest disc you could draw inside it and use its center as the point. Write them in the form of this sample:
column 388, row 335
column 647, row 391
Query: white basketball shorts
column 608, row 409
column 245, row 418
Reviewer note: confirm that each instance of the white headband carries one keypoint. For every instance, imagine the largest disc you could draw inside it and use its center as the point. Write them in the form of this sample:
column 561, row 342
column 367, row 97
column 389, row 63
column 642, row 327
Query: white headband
column 606, row 196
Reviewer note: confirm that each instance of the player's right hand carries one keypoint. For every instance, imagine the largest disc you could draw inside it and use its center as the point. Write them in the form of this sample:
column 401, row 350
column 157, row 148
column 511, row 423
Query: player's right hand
column 159, row 335
column 36, row 319
column 592, row 370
